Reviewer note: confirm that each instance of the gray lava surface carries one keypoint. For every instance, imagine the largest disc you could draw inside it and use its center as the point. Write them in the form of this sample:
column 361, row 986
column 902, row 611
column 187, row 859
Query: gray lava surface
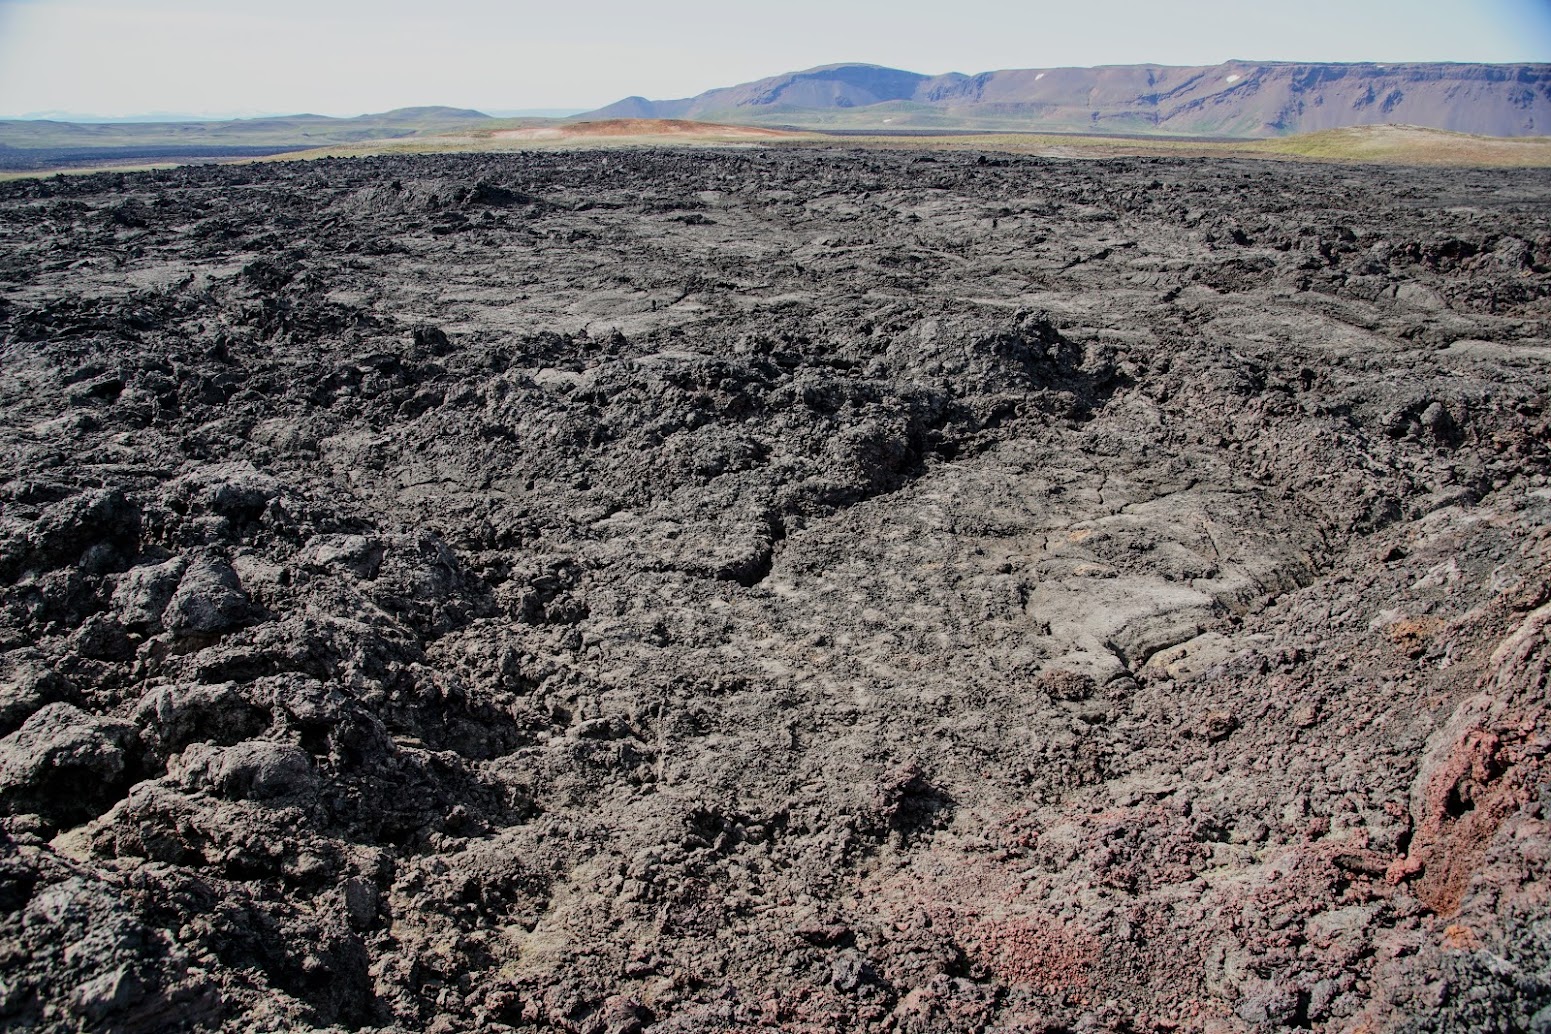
column 809, row 590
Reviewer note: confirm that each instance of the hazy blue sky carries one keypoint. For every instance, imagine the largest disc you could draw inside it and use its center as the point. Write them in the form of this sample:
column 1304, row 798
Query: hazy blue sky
column 351, row 56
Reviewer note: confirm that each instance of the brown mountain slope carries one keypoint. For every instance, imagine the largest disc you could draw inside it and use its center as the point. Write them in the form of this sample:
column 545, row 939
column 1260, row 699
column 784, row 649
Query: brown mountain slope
column 1237, row 98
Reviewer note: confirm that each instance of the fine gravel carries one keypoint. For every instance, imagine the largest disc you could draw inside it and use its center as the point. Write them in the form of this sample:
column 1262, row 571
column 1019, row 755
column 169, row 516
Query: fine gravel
column 809, row 590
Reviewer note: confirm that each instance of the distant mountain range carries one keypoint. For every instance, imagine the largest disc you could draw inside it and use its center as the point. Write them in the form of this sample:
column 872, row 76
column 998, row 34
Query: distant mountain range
column 259, row 132
column 1234, row 99
column 43, row 144
column 232, row 116
column 1239, row 99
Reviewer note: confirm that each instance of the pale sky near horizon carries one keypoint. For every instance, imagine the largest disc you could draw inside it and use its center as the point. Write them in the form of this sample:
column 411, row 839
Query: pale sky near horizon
column 346, row 57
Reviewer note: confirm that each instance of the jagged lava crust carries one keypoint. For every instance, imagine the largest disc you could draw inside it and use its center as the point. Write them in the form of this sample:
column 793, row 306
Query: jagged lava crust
column 811, row 590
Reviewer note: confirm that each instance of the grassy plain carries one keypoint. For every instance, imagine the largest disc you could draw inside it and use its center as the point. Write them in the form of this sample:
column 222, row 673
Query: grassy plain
column 1399, row 145
column 433, row 134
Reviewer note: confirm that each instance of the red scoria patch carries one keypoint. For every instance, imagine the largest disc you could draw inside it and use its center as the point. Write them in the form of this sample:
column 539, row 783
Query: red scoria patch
column 1486, row 779
column 1047, row 954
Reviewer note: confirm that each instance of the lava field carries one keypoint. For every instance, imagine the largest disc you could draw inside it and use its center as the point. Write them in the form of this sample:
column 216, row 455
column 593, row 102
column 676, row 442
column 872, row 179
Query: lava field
column 813, row 590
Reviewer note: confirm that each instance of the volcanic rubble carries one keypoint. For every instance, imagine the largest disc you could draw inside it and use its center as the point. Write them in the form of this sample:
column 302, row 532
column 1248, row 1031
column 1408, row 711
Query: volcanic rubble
column 811, row 590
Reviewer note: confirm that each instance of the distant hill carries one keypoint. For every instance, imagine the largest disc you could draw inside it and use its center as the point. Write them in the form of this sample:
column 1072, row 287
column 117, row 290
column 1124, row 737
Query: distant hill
column 1235, row 99
column 39, row 143
column 632, row 129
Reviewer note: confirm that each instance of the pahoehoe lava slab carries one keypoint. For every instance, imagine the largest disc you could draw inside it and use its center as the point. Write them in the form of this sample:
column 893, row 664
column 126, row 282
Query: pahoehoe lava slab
column 814, row 590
